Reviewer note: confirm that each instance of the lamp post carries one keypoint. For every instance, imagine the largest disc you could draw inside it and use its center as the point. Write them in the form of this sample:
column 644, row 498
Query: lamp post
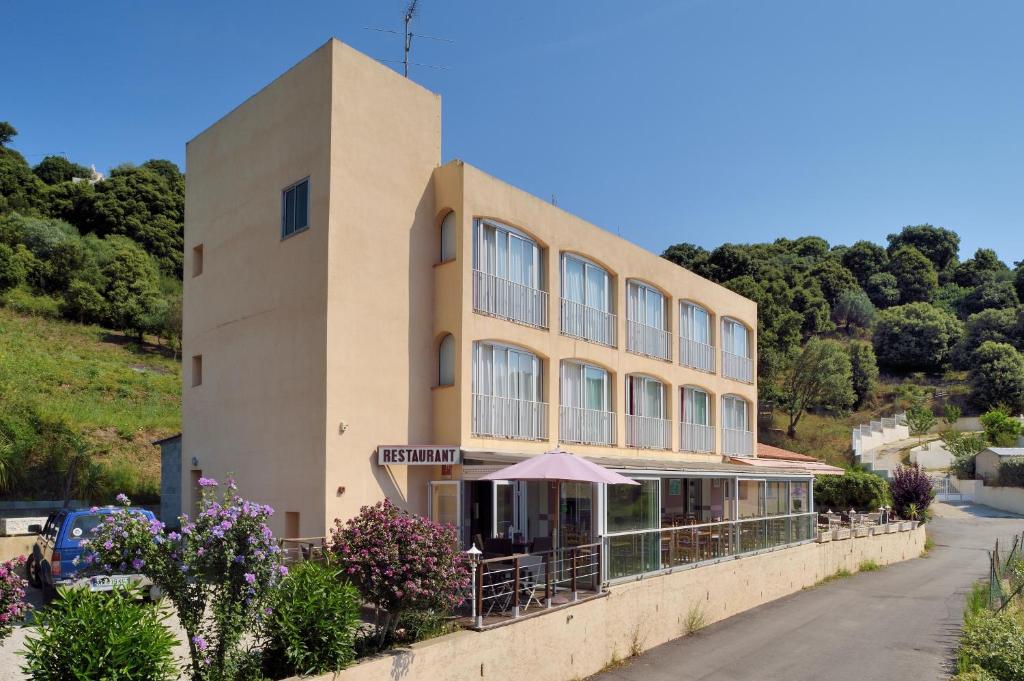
column 474, row 560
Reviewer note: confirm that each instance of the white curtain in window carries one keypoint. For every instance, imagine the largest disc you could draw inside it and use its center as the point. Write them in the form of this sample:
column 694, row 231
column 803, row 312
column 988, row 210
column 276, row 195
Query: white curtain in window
column 693, row 323
column 734, row 413
column 596, row 396
column 572, row 388
column 646, row 397
column 734, row 337
column 645, row 305
column 483, row 370
column 506, row 372
column 574, row 280
column 655, row 309
column 446, row 361
column 448, row 237
column 695, row 406
column 597, row 288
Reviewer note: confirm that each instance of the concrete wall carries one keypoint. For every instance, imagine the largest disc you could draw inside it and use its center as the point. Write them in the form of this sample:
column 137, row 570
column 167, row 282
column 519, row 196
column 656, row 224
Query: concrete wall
column 1010, row 499
column 932, row 456
column 12, row 547
column 576, row 642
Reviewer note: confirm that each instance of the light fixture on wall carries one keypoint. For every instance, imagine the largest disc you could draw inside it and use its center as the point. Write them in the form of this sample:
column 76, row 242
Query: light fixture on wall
column 195, row 460
column 342, row 427
column 341, row 490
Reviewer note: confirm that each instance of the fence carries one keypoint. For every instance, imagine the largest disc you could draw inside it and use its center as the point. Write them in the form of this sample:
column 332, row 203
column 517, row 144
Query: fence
column 589, row 323
column 1006, row 574
column 509, row 300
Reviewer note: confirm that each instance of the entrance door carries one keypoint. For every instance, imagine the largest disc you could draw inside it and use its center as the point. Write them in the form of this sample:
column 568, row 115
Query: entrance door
column 446, row 503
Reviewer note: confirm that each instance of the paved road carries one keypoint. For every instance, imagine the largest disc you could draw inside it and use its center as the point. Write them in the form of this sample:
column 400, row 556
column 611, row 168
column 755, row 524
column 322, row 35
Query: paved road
column 899, row 623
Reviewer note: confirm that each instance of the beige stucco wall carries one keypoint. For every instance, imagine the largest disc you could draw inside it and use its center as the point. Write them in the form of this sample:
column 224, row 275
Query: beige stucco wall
column 579, row 641
column 986, row 465
column 18, row 545
column 1010, row 499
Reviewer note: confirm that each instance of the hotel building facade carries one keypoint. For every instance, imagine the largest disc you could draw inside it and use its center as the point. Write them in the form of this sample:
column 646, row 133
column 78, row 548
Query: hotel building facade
column 364, row 322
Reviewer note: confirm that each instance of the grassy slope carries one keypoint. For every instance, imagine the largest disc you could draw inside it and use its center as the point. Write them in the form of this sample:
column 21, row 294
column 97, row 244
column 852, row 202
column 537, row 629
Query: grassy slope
column 119, row 395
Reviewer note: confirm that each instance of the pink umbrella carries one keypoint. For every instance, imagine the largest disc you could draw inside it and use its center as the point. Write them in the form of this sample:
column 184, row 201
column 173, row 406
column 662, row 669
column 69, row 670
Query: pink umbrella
column 559, row 466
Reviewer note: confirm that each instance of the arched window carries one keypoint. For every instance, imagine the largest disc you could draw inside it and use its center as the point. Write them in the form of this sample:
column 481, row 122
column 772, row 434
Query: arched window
column 448, row 237
column 446, row 361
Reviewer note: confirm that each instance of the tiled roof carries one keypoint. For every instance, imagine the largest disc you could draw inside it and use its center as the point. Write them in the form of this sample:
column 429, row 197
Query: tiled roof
column 768, row 452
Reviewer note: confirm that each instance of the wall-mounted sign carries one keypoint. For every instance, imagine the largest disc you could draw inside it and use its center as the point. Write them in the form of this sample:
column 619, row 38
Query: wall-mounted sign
column 417, row 455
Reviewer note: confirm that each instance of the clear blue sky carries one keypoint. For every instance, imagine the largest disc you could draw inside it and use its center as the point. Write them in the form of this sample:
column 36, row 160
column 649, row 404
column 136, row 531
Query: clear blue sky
column 703, row 121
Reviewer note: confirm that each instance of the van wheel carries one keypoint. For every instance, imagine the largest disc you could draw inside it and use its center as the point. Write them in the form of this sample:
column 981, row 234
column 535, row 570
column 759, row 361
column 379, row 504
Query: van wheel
column 32, row 572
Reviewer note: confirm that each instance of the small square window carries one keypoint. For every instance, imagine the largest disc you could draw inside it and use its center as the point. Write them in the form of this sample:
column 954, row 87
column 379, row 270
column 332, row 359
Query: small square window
column 197, row 370
column 295, row 208
column 197, row 260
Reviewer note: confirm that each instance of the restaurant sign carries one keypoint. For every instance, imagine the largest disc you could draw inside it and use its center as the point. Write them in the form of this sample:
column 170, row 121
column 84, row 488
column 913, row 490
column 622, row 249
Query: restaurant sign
column 417, row 455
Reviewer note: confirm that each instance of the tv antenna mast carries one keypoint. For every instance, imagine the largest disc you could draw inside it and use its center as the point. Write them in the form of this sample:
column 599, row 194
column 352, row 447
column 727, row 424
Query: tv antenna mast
column 411, row 11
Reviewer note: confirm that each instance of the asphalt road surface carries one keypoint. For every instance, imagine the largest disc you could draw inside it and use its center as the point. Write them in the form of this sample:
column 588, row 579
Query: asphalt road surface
column 901, row 622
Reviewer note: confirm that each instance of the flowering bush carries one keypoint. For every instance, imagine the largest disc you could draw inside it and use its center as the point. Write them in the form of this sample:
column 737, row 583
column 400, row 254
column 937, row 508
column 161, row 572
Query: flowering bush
column 219, row 571
column 910, row 486
column 12, row 595
column 400, row 562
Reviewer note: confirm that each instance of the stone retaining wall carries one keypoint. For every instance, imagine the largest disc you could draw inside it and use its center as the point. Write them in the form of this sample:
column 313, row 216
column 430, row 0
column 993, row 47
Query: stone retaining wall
column 576, row 642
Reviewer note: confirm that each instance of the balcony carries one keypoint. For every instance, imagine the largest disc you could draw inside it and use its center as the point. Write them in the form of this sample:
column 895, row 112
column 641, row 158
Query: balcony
column 508, row 417
column 737, row 367
column 509, row 300
column 695, row 437
column 648, row 340
column 737, row 442
column 588, row 323
column 698, row 355
column 586, row 426
column 647, row 432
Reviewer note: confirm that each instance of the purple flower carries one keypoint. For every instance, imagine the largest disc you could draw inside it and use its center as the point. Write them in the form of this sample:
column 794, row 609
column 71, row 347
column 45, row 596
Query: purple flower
column 108, row 545
column 138, row 563
column 282, row 570
column 250, row 578
column 207, row 482
column 200, row 643
column 122, row 499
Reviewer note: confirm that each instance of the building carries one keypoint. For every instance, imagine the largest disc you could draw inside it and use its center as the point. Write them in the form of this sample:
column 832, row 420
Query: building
column 988, row 461
column 364, row 322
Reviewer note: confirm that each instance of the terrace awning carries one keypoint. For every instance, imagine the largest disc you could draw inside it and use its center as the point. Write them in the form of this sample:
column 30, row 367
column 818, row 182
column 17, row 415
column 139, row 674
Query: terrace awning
column 815, row 467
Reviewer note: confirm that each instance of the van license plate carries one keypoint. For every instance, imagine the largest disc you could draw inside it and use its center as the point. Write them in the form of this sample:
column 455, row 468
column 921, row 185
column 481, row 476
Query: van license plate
column 108, row 582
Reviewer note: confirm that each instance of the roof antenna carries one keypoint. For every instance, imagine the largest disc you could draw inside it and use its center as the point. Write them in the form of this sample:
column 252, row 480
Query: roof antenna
column 410, row 13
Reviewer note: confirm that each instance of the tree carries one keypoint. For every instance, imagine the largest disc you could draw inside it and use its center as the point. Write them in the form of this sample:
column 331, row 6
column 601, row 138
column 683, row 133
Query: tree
column 984, row 266
column 997, row 376
column 950, row 415
column 883, row 289
column 20, row 189
column 941, row 246
column 817, row 376
column 910, row 488
column 726, row 262
column 1018, row 280
column 915, row 337
column 83, row 303
column 7, row 133
column 990, row 295
column 915, row 275
column 686, row 255
column 132, row 292
column 864, row 371
column 1001, row 429
column 56, row 169
column 920, row 419
column 854, row 489
column 964, row 447
column 12, row 271
column 995, row 325
column 833, row 278
column 815, row 312
column 864, row 260
column 854, row 308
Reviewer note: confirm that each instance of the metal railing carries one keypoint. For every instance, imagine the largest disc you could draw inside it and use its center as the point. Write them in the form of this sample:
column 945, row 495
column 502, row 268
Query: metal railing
column 510, row 586
column 509, row 418
column 640, row 552
column 698, row 355
column 588, row 323
column 509, row 300
column 648, row 340
column 695, row 437
column 586, row 426
column 737, row 367
column 648, row 432
column 737, row 442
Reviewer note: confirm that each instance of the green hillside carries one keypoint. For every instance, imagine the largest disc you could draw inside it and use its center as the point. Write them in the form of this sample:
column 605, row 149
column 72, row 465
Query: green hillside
column 74, row 387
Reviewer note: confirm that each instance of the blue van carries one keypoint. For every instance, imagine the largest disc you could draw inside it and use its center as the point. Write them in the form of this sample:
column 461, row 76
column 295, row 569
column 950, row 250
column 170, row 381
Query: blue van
column 58, row 544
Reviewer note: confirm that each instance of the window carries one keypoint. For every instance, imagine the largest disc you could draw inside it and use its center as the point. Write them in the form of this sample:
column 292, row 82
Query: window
column 295, row 208
column 291, row 525
column 646, row 305
column 695, row 407
column 506, row 372
column 197, row 260
column 734, row 413
column 445, row 502
column 646, row 324
column 446, row 361
column 448, row 237
column 585, row 387
column 734, row 338
column 645, row 397
column 197, row 370
column 507, row 254
column 585, row 283
column 694, row 323
column 634, row 507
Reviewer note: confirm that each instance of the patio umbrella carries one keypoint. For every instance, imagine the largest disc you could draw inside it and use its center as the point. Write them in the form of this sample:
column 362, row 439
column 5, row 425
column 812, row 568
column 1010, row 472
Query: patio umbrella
column 558, row 466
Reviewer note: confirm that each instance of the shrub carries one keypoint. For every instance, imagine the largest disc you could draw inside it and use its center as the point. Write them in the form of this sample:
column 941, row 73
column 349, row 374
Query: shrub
column 864, row 369
column 997, row 376
column 964, row 447
column 1011, row 472
column 315, row 617
column 854, row 489
column 910, row 486
column 400, row 562
column 96, row 635
column 916, row 337
column 12, row 270
column 994, row 643
column 13, row 606
column 1001, row 429
column 219, row 572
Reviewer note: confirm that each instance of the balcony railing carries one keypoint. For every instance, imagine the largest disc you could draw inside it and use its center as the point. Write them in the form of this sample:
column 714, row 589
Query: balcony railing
column 694, row 353
column 737, row 442
column 509, row 300
column 648, row 340
column 509, row 418
column 737, row 367
column 647, row 432
column 630, row 554
column 695, row 437
column 588, row 323
column 586, row 426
